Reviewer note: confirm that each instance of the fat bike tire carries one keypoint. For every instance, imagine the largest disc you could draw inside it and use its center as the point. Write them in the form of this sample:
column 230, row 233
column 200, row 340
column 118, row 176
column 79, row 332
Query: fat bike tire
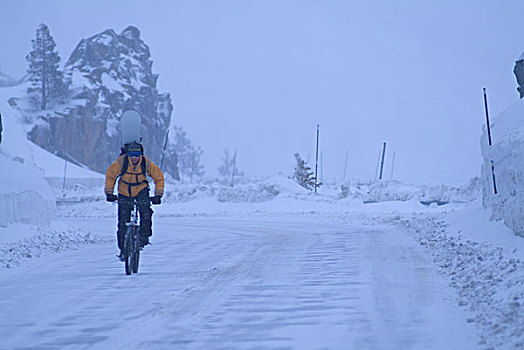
column 128, row 251
column 128, row 265
column 136, row 251
column 134, row 260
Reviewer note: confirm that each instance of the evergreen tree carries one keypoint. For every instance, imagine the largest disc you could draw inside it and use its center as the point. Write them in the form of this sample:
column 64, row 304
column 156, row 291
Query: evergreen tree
column 189, row 156
column 303, row 174
column 47, row 81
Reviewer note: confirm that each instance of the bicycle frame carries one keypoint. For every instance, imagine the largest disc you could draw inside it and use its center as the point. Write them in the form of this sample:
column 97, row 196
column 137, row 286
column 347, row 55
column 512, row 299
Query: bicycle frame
column 134, row 221
column 132, row 241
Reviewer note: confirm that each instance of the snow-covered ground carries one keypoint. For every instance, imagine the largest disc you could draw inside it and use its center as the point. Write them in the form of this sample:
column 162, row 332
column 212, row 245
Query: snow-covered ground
column 279, row 282
column 293, row 270
column 265, row 264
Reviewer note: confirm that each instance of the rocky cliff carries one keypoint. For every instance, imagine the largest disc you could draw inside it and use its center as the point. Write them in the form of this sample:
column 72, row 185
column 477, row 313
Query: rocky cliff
column 518, row 70
column 109, row 73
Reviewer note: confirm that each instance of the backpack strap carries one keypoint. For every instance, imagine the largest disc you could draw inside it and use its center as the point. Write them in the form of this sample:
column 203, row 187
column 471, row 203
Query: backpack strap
column 146, row 162
column 123, row 162
column 143, row 165
column 125, row 166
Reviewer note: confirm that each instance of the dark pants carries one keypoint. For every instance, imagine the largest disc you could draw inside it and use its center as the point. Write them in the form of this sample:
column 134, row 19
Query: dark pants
column 125, row 205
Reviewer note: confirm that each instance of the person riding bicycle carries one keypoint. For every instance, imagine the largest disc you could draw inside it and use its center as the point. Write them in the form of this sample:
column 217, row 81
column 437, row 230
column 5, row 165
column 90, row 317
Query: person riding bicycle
column 132, row 169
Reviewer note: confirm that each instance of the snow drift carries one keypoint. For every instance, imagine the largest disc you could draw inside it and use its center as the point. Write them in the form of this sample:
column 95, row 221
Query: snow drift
column 507, row 155
column 25, row 196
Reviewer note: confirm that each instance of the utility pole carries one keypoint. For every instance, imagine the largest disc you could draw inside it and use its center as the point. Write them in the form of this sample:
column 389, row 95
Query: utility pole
column 65, row 170
column 378, row 165
column 1, row 128
column 493, row 175
column 392, row 164
column 487, row 115
column 382, row 161
column 345, row 167
column 489, row 139
column 316, row 161
column 233, row 170
column 192, row 165
column 321, row 167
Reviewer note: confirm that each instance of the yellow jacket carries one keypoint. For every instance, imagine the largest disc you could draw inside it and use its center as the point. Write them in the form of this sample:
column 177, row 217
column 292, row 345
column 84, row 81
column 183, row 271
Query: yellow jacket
column 134, row 180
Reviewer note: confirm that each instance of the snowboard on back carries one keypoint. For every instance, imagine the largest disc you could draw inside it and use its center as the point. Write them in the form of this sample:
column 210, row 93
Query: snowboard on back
column 130, row 123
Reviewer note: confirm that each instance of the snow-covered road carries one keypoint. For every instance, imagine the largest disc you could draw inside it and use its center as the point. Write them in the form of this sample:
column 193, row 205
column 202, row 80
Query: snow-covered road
column 221, row 283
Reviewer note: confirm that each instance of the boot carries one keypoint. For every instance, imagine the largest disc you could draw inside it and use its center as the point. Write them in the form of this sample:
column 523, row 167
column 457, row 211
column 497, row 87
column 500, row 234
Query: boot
column 121, row 256
column 144, row 240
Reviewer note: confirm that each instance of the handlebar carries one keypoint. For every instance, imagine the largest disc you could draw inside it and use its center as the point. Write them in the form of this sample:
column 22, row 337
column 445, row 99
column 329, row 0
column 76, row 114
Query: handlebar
column 132, row 201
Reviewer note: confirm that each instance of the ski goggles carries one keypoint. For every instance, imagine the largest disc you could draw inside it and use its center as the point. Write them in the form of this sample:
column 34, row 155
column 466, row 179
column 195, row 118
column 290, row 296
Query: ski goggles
column 134, row 153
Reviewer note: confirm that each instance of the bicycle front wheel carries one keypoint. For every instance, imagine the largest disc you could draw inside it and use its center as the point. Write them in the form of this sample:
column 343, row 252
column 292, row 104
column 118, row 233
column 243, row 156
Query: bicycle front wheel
column 128, row 251
column 136, row 251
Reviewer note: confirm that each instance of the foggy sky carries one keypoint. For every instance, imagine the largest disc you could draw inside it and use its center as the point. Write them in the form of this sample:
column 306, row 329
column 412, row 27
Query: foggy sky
column 257, row 76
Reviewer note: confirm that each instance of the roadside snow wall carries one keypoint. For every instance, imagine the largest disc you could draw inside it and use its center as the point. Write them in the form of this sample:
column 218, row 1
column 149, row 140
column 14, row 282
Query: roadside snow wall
column 507, row 154
column 25, row 196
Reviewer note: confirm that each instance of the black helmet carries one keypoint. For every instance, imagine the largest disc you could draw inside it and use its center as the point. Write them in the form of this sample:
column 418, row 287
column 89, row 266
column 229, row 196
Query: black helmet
column 134, row 149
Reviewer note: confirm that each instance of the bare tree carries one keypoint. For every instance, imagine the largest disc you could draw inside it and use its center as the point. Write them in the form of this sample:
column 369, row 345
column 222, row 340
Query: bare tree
column 228, row 169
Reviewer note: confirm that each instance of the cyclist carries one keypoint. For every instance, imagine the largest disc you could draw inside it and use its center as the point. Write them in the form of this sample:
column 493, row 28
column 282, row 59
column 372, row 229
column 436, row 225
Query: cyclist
column 132, row 169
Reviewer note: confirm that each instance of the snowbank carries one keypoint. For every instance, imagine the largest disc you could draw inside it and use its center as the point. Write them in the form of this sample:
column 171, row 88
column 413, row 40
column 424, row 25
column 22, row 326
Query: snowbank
column 395, row 190
column 391, row 190
column 482, row 261
column 42, row 242
column 25, row 196
column 278, row 192
column 507, row 154
column 490, row 283
column 441, row 194
column 247, row 192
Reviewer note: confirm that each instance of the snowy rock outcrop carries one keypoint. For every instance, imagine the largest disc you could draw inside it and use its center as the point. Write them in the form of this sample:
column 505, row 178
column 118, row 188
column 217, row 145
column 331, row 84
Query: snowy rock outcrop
column 518, row 70
column 507, row 154
column 109, row 73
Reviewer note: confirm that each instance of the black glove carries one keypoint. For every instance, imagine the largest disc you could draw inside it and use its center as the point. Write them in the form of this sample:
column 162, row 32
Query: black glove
column 111, row 197
column 156, row 199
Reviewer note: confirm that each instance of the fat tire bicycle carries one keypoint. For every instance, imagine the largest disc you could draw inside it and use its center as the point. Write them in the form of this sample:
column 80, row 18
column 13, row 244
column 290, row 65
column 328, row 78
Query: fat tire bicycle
column 132, row 239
